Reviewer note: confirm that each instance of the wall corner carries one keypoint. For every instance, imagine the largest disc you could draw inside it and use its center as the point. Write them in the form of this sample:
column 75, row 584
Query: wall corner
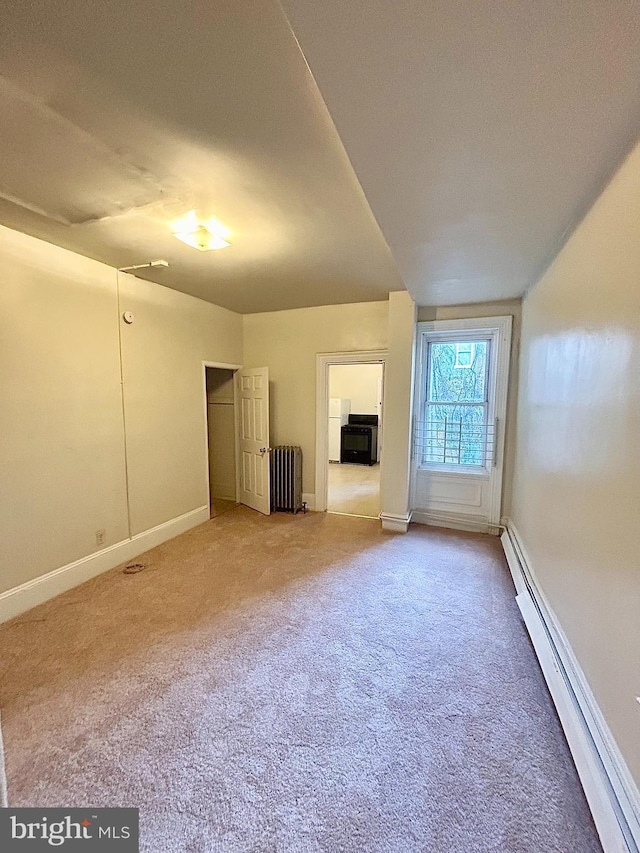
column 395, row 474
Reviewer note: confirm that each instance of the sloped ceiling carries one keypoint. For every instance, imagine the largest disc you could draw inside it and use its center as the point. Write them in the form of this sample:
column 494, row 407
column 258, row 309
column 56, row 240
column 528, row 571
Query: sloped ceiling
column 480, row 130
column 448, row 147
column 120, row 117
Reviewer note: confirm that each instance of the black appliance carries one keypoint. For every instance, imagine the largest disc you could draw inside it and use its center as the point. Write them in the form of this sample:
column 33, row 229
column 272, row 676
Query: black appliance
column 359, row 440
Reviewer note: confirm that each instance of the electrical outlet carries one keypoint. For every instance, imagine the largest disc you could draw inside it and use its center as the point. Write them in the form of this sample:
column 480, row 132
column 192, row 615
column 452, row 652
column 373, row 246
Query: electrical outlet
column 100, row 534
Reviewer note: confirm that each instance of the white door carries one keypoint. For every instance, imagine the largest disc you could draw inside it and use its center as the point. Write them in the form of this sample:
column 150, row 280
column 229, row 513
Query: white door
column 252, row 405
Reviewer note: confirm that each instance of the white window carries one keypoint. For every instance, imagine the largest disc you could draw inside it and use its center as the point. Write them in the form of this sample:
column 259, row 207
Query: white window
column 455, row 417
column 465, row 354
column 462, row 375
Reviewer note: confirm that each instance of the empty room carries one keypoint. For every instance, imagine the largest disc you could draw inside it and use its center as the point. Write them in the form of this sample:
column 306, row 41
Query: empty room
column 320, row 418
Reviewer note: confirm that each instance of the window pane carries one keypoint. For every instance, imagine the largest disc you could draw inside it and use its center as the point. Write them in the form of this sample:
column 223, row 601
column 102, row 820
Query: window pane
column 464, row 354
column 455, row 435
column 457, row 372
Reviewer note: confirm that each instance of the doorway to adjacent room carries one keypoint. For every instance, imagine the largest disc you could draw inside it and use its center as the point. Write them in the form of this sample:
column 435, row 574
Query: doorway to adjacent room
column 349, row 431
column 237, row 446
column 221, row 439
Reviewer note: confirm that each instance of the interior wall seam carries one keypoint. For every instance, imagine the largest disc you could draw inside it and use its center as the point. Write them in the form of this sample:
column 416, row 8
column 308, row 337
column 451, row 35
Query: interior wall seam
column 124, row 415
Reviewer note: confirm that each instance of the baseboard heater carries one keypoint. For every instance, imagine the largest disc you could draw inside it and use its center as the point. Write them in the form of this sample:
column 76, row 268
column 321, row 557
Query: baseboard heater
column 286, row 479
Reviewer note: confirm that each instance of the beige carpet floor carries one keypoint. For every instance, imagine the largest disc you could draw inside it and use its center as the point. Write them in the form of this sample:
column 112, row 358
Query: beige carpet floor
column 221, row 505
column 297, row 684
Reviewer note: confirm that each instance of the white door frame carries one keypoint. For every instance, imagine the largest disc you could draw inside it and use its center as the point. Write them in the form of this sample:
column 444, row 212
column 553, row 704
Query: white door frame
column 323, row 362
column 224, row 366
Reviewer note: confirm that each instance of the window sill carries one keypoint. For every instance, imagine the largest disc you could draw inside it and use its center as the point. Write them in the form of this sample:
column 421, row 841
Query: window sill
column 455, row 470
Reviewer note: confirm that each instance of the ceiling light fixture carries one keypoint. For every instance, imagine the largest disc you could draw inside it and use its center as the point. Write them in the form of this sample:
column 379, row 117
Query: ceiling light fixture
column 150, row 265
column 203, row 236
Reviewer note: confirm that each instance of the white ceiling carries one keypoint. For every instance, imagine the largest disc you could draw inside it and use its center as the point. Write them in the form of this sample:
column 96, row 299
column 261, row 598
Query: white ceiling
column 479, row 131
column 120, row 117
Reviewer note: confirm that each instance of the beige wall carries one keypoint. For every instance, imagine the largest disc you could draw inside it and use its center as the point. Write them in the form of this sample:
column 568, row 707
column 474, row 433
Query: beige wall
column 506, row 307
column 162, row 355
column 62, row 454
column 287, row 343
column 576, row 499
column 62, row 448
column 358, row 383
column 395, row 464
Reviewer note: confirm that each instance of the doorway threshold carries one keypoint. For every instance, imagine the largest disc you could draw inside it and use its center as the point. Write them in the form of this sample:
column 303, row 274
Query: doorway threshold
column 352, row 514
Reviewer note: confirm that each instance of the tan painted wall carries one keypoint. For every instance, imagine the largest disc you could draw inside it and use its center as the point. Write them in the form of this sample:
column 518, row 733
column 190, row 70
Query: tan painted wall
column 162, row 355
column 62, row 448
column 358, row 383
column 287, row 343
column 512, row 307
column 576, row 499
column 61, row 417
column 395, row 465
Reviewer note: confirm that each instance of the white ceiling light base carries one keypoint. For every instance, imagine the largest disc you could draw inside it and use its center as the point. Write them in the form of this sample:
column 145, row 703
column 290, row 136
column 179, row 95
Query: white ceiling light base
column 201, row 239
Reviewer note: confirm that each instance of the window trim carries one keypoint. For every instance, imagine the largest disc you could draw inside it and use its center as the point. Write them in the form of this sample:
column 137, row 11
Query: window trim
column 498, row 331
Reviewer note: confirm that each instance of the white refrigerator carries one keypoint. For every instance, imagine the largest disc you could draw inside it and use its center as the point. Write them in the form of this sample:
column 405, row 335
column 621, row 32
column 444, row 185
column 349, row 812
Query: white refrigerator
column 339, row 410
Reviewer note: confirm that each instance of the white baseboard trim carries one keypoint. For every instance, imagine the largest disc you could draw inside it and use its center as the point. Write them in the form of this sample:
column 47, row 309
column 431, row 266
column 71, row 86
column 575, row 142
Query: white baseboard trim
column 310, row 500
column 15, row 601
column 4, row 802
column 455, row 521
column 610, row 790
column 395, row 523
